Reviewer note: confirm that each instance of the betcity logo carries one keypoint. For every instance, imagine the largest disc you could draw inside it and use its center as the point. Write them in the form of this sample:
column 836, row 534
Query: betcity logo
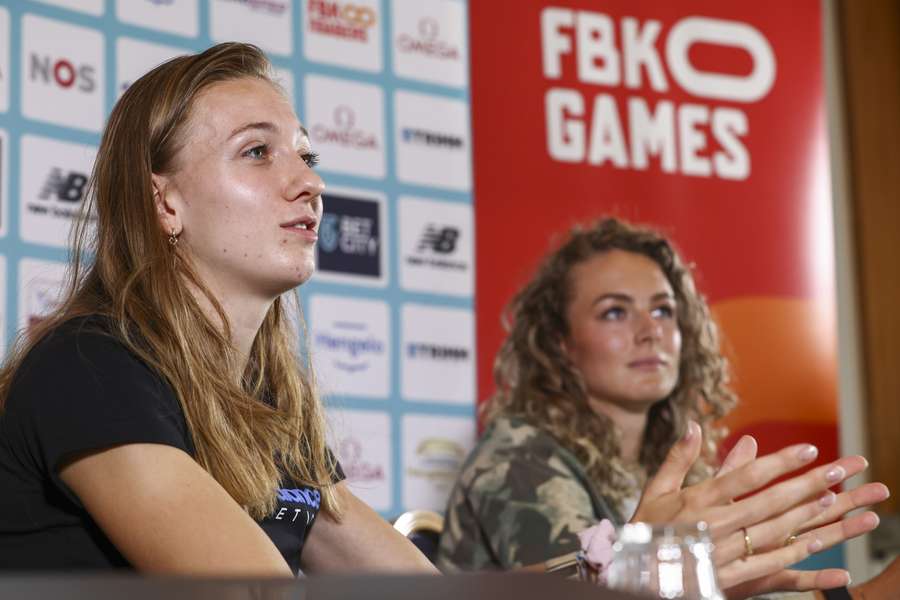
column 412, row 135
column 352, row 235
column 343, row 131
column 62, row 72
column 64, row 186
column 341, row 19
column 427, row 41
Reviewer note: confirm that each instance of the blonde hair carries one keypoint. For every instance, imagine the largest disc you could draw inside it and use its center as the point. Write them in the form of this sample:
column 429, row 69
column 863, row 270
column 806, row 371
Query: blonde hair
column 536, row 381
column 245, row 433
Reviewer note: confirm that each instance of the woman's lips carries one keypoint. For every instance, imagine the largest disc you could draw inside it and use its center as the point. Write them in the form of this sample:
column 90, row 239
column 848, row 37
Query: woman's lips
column 647, row 364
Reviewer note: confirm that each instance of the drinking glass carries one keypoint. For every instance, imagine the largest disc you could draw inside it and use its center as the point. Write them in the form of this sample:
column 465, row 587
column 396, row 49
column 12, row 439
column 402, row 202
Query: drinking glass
column 664, row 561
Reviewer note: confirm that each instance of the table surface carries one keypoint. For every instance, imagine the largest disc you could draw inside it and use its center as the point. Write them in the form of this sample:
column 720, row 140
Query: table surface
column 362, row 587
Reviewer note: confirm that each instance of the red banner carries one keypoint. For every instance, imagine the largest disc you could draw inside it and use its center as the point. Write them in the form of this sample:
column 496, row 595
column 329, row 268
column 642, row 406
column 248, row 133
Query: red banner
column 703, row 118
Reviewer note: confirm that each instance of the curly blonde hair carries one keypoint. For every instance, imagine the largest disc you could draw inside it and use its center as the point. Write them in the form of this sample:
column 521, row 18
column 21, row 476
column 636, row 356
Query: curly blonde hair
column 537, row 382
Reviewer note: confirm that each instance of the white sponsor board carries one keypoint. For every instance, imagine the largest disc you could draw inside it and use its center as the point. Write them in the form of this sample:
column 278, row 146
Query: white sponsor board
column 438, row 354
column 344, row 33
column 432, row 141
column 346, row 124
column 436, row 246
column 40, row 289
column 351, row 349
column 54, row 175
column 434, row 449
column 180, row 17
column 62, row 73
column 266, row 23
column 429, row 42
column 135, row 57
column 362, row 441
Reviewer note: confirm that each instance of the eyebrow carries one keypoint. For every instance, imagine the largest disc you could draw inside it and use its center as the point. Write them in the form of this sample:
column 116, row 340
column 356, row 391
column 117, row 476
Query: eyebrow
column 626, row 298
column 264, row 125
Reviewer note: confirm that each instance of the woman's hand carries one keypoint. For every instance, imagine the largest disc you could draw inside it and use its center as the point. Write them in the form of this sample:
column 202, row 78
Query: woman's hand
column 768, row 518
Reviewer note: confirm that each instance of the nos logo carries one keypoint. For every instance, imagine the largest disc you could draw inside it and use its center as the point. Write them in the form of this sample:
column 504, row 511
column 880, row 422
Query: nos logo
column 440, row 240
column 63, row 72
column 67, row 188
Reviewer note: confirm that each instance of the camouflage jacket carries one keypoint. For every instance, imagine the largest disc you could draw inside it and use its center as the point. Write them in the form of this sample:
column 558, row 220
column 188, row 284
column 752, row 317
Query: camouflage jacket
column 520, row 499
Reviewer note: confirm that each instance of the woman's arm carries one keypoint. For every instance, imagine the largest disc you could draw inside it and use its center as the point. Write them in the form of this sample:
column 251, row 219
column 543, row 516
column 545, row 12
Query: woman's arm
column 361, row 542
column 166, row 514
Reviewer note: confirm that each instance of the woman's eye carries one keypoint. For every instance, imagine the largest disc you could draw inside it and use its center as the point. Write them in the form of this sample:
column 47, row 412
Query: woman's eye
column 257, row 152
column 310, row 158
column 613, row 314
column 665, row 312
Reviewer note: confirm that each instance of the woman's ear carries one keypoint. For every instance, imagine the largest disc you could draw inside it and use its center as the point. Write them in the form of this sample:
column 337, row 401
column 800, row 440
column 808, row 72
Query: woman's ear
column 167, row 203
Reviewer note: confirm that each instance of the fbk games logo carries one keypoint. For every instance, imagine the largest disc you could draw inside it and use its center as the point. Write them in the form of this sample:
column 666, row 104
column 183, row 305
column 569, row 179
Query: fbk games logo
column 350, row 240
column 344, row 131
column 341, row 19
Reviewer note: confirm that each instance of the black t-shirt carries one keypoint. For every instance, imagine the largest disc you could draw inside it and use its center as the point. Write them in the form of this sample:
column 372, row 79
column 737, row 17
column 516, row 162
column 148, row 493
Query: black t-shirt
column 80, row 389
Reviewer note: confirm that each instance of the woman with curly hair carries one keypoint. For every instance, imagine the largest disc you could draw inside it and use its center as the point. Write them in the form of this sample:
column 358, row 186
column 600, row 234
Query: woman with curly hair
column 611, row 358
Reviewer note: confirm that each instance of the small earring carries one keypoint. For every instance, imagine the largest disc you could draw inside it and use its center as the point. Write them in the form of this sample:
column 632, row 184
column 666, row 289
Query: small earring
column 173, row 239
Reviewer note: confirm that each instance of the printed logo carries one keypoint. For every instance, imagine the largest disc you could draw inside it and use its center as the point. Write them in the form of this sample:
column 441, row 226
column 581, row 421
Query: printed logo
column 54, row 178
column 433, row 145
column 4, row 182
column 363, row 448
column 346, row 125
column 266, row 23
column 429, row 41
column 438, row 358
column 350, row 340
column 343, row 33
column 180, row 17
column 40, row 287
column 296, row 504
column 4, row 60
column 62, row 66
column 91, row 7
column 432, row 462
column 134, row 58
column 436, row 246
column 350, row 245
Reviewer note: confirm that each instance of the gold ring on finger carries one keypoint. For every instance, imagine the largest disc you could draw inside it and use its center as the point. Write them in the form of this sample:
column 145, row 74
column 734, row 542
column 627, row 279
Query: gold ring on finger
column 790, row 540
column 748, row 545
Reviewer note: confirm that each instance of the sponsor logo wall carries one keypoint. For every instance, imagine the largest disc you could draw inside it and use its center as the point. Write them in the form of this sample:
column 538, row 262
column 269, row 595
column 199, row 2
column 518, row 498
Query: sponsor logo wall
column 382, row 88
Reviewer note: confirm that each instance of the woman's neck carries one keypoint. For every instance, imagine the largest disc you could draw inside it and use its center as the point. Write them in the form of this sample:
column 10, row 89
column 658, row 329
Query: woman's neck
column 630, row 423
column 245, row 316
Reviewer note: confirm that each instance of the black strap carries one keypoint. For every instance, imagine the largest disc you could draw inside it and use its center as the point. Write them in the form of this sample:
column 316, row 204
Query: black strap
column 840, row 593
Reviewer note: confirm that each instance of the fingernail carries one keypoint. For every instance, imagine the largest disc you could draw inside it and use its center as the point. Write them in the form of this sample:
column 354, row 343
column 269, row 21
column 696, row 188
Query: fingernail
column 827, row 499
column 874, row 520
column 814, row 546
column 808, row 452
column 690, row 430
column 835, row 474
column 849, row 579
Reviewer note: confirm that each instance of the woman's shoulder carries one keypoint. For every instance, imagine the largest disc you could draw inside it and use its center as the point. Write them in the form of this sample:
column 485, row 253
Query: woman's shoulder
column 511, row 447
